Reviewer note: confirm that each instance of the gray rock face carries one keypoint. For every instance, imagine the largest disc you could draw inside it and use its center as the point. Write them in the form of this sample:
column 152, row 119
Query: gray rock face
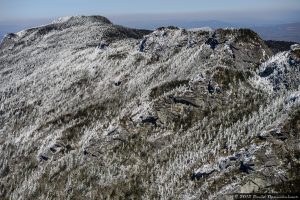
column 92, row 110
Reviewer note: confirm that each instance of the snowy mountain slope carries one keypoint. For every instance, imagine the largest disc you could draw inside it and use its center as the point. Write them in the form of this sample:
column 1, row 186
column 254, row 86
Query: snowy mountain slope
column 92, row 110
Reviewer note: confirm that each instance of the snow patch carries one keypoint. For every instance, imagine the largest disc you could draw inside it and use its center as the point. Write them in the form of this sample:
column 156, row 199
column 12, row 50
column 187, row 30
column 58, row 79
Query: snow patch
column 62, row 19
column 295, row 47
column 207, row 168
column 206, row 28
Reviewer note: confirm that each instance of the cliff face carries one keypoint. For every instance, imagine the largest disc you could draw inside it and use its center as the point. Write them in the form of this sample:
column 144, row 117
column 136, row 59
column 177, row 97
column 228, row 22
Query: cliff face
column 91, row 110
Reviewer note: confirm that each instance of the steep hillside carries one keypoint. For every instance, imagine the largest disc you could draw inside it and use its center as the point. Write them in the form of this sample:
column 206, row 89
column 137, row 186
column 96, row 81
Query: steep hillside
column 92, row 110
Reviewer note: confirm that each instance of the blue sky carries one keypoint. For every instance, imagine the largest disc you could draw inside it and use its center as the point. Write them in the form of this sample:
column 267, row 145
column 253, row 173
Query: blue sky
column 140, row 11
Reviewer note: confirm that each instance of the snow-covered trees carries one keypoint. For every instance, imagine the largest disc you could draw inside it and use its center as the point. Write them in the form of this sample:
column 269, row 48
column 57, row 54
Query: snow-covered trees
column 116, row 122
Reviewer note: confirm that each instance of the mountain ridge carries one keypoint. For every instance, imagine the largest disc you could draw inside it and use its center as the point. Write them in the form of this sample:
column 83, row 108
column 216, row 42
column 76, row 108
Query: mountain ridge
column 281, row 32
column 95, row 110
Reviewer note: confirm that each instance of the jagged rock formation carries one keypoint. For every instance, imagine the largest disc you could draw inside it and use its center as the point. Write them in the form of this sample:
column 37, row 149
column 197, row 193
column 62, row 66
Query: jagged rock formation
column 92, row 110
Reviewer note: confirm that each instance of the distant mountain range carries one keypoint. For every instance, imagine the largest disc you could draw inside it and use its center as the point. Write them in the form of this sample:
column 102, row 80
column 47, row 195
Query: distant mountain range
column 13, row 27
column 285, row 32
column 4, row 29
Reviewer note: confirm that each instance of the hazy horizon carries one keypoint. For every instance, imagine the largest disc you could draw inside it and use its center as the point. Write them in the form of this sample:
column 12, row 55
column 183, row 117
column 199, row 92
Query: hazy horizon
column 259, row 11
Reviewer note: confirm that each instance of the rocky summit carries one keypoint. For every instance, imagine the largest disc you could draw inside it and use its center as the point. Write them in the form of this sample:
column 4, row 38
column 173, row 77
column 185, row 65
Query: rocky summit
column 93, row 110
